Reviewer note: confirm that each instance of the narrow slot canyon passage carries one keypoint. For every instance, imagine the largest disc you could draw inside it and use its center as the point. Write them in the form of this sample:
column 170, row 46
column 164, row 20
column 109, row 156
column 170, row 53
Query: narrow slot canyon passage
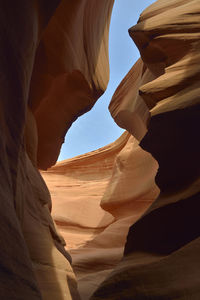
column 94, row 221
column 99, row 150
column 97, row 128
column 98, row 195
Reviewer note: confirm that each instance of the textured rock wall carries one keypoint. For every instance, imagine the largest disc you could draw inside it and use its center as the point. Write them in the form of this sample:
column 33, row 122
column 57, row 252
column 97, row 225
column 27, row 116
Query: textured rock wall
column 161, row 253
column 78, row 186
column 71, row 71
column 36, row 71
column 17, row 58
column 50, row 75
column 157, row 103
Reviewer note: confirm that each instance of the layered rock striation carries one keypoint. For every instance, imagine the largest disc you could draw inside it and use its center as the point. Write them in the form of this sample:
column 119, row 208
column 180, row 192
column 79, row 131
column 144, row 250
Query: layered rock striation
column 161, row 253
column 53, row 68
column 70, row 73
column 80, row 186
column 50, row 75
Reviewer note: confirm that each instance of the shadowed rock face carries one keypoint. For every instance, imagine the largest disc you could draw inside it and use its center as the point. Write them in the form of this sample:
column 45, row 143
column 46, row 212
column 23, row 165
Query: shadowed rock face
column 16, row 190
column 53, row 73
column 81, row 186
column 71, row 71
column 161, row 253
column 52, row 60
column 158, row 103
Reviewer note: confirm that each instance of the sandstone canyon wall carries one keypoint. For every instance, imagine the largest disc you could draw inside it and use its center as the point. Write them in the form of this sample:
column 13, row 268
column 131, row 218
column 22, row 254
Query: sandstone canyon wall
column 53, row 66
column 161, row 253
column 157, row 103
column 53, row 73
column 94, row 237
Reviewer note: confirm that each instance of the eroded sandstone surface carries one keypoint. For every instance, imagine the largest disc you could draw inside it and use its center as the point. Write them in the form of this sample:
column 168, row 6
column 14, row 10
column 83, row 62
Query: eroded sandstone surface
column 80, row 186
column 161, row 253
column 70, row 73
column 54, row 66
column 157, row 103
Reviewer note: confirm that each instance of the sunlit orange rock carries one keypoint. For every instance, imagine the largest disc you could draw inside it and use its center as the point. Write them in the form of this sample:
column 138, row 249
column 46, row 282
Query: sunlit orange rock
column 70, row 73
column 161, row 252
column 54, row 66
column 127, row 107
column 157, row 103
column 82, row 186
column 50, row 51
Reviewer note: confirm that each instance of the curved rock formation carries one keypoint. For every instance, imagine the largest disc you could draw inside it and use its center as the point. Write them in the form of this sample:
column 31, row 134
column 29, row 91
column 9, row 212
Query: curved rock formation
column 127, row 107
column 54, row 66
column 161, row 254
column 49, row 52
column 16, row 190
column 103, row 177
column 77, row 186
column 70, row 73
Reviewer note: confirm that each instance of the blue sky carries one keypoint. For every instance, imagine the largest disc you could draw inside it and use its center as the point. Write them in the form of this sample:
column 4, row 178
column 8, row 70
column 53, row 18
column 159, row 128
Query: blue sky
column 96, row 128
